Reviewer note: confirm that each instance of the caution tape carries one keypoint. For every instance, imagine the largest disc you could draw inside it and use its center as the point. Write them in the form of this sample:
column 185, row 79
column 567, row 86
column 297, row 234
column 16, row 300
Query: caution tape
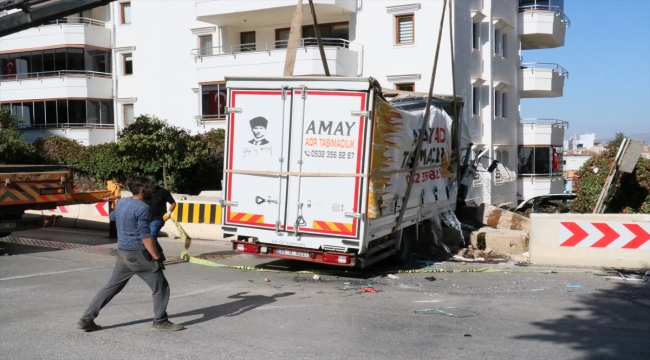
column 187, row 241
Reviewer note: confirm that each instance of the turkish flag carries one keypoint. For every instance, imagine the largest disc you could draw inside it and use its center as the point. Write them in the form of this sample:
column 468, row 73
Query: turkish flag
column 217, row 100
column 556, row 162
column 10, row 67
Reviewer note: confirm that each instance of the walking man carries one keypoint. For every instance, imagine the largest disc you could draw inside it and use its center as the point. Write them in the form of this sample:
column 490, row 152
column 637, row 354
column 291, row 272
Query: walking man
column 136, row 255
column 158, row 213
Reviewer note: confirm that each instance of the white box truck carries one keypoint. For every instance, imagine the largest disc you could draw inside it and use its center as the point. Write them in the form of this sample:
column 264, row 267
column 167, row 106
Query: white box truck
column 316, row 169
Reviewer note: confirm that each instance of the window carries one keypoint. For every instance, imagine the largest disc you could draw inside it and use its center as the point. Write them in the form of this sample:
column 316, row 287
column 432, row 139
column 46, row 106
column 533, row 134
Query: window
column 127, row 64
column 535, row 160
column 75, row 59
column 476, row 36
column 205, row 44
column 405, row 87
column 128, row 114
column 281, row 38
column 497, row 103
column 476, row 101
column 126, row 12
column 504, row 45
column 213, row 101
column 50, row 112
column 77, row 112
column 404, row 29
column 247, row 39
column 497, row 42
column 504, row 105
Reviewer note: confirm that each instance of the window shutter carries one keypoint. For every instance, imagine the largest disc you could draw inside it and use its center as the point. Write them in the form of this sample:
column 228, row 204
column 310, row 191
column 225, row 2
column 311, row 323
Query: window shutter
column 405, row 29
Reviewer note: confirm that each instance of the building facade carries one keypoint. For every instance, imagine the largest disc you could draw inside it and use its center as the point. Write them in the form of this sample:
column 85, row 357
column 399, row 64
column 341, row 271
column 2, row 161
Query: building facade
column 170, row 59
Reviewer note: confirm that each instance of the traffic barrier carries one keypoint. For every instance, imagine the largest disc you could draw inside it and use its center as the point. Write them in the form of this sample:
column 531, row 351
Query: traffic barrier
column 197, row 213
column 607, row 240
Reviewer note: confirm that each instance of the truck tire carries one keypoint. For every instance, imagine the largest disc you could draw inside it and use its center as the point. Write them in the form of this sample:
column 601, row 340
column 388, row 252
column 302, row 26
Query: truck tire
column 403, row 254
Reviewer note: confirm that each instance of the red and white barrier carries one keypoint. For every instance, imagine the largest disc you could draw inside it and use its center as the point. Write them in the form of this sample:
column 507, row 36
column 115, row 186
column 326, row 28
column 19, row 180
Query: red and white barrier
column 608, row 240
column 101, row 208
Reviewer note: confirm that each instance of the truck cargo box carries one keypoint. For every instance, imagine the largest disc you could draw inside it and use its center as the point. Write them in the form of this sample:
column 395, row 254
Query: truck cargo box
column 316, row 169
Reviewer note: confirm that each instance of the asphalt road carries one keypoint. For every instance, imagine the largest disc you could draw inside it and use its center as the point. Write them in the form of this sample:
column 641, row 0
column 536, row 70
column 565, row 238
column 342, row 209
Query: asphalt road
column 509, row 312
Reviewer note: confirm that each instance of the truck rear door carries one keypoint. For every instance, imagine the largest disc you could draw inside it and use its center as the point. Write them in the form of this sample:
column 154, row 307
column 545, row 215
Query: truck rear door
column 325, row 157
column 257, row 148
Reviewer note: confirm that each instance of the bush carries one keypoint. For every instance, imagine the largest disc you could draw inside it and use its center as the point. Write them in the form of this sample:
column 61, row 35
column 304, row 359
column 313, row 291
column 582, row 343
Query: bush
column 13, row 149
column 632, row 194
column 146, row 147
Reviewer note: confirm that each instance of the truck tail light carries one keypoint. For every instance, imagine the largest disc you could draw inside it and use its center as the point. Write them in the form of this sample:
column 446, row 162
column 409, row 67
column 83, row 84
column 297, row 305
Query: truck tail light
column 52, row 191
column 249, row 248
column 336, row 259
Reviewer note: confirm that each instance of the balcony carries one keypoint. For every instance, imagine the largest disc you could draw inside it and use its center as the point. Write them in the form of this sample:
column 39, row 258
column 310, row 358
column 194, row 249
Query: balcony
column 548, row 132
column 541, row 80
column 86, row 134
column 70, row 30
column 344, row 58
column 531, row 186
column 56, row 85
column 257, row 13
column 542, row 24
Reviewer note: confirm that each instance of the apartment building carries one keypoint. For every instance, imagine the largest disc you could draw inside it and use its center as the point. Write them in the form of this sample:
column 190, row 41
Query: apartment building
column 104, row 67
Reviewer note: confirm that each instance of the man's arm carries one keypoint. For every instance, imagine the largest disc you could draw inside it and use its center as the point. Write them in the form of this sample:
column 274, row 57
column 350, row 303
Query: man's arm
column 172, row 205
column 145, row 232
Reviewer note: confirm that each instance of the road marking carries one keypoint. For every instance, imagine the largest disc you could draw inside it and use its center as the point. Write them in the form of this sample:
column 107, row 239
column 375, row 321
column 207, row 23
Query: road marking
column 60, row 245
column 50, row 273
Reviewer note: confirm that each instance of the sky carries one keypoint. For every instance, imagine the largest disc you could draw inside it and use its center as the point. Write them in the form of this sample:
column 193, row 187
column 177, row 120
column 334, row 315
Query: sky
column 607, row 54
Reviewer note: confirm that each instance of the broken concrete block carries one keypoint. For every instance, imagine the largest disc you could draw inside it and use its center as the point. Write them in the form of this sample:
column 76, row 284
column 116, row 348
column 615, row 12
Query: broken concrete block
column 498, row 218
column 501, row 241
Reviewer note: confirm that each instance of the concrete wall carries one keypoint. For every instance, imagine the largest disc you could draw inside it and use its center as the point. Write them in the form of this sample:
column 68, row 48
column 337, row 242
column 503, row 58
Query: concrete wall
column 576, row 239
column 95, row 216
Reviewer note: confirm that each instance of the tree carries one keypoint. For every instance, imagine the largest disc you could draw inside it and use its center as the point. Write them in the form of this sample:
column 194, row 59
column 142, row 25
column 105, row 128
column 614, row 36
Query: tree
column 150, row 146
column 618, row 139
column 13, row 148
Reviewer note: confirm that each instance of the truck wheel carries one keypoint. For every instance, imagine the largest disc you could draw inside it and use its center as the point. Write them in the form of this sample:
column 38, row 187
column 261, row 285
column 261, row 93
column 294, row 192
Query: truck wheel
column 403, row 255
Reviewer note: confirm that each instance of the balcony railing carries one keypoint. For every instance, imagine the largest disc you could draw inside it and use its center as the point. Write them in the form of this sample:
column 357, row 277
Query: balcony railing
column 63, row 125
column 269, row 46
column 542, row 65
column 546, row 6
column 54, row 74
column 545, row 121
column 76, row 20
column 200, row 119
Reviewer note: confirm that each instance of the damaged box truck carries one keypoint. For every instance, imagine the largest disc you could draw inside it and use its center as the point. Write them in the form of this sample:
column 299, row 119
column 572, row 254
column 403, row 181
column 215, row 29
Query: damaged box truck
column 316, row 169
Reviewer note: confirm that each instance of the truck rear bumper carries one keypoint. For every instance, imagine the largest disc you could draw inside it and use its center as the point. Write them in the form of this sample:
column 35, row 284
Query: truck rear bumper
column 292, row 253
column 29, row 223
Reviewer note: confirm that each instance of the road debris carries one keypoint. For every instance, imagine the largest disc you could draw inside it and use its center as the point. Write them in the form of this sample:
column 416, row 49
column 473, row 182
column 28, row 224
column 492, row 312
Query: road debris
column 430, row 278
column 629, row 277
column 449, row 311
column 462, row 258
column 368, row 289
column 569, row 286
column 549, row 272
column 391, row 276
column 316, row 277
column 267, row 280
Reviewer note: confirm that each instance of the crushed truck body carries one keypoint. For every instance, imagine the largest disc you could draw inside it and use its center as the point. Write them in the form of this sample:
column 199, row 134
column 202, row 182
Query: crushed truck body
column 316, row 169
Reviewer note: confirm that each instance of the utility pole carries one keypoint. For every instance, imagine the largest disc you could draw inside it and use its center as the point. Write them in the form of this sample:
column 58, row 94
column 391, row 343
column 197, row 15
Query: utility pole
column 319, row 39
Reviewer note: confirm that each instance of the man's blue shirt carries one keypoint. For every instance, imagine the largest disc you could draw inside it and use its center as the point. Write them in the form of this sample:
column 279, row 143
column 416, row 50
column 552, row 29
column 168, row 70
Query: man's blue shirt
column 132, row 218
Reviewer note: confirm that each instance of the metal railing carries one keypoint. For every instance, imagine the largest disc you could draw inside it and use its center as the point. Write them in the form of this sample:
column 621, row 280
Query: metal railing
column 545, row 6
column 542, row 65
column 63, row 125
column 545, row 121
column 76, row 20
column 54, row 74
column 269, row 46
column 200, row 119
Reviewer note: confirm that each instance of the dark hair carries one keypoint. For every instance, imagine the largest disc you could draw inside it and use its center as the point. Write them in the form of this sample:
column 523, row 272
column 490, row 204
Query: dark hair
column 140, row 182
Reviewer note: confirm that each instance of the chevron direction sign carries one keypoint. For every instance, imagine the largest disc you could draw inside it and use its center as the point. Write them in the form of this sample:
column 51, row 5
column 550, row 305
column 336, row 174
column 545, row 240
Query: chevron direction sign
column 607, row 234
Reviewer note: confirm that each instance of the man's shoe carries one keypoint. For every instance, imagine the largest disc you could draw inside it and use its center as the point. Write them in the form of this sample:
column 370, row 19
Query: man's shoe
column 166, row 326
column 88, row 325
